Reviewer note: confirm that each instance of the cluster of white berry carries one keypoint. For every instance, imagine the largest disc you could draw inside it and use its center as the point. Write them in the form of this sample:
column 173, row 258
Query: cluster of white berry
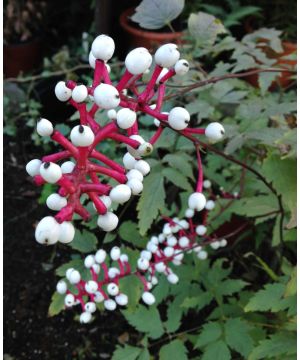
column 81, row 175
column 162, row 253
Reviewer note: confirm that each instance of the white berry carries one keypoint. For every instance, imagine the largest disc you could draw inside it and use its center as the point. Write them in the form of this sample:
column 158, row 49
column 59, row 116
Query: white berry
column 197, row 201
column 44, row 127
column 61, row 287
column 129, row 161
column 189, row 213
column 106, row 96
column 138, row 61
column 79, row 93
column 108, row 221
column 183, row 242
column 69, row 300
column 179, row 118
column 112, row 289
column 134, row 152
column 33, row 167
column 121, row 299
column 115, row 253
column 91, row 287
column 85, row 317
column 62, row 92
column 89, row 261
column 126, row 118
column 173, row 278
column 143, row 264
column 103, row 47
column 202, row 255
column 215, row 131
column 160, row 267
column 100, row 256
column 181, row 67
column 210, row 204
column 215, row 245
column 223, row 242
column 67, row 232
column 74, row 277
column 167, row 55
column 67, row 167
column 201, row 230
column 136, row 186
column 148, row 298
column 120, row 194
column 56, row 202
column 92, row 60
column 47, row 232
column 206, row 184
column 135, row 174
column 50, row 172
column 142, row 166
column 106, row 201
column 145, row 254
column 90, row 307
column 82, row 135
column 169, row 251
column 110, row 305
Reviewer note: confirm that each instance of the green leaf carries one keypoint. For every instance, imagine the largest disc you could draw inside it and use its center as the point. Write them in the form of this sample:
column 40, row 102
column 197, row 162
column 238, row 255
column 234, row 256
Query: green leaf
column 230, row 286
column 126, row 353
column 177, row 179
column 198, row 302
column 84, row 241
column 210, row 333
column 180, row 162
column 146, row 320
column 174, row 314
column 265, row 80
column 77, row 264
column 291, row 286
column 144, row 355
column 276, row 346
column 283, row 175
column 129, row 232
column 267, row 298
column 132, row 287
column 216, row 351
column 151, row 201
column 237, row 336
column 175, row 350
column 57, row 304
column 205, row 28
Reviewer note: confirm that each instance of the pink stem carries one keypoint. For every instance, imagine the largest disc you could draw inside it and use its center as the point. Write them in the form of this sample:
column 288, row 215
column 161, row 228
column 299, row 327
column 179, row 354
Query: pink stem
column 59, row 138
column 194, row 131
column 94, row 109
column 124, row 80
column 56, row 157
column 124, row 139
column 199, row 186
column 100, row 207
column 167, row 76
column 38, row 180
column 143, row 280
column 115, row 166
column 157, row 135
column 81, row 211
column 122, row 272
column 145, row 94
column 104, row 132
column 83, row 114
column 67, row 184
column 121, row 178
column 98, row 188
column 82, row 156
column 99, row 67
column 105, row 270
column 65, row 214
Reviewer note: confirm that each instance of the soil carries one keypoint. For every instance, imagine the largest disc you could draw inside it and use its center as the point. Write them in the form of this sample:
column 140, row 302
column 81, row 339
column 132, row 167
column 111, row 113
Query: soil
column 29, row 279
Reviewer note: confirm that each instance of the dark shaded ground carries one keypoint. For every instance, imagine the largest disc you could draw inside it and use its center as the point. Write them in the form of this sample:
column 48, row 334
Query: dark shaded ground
column 28, row 332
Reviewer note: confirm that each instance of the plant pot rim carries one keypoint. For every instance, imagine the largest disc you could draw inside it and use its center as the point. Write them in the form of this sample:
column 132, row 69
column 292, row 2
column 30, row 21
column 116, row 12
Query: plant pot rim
column 124, row 22
column 33, row 40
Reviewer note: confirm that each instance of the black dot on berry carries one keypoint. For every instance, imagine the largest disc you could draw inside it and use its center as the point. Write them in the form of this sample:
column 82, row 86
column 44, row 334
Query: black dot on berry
column 186, row 121
column 222, row 132
column 46, row 165
column 117, row 96
column 185, row 64
column 81, row 129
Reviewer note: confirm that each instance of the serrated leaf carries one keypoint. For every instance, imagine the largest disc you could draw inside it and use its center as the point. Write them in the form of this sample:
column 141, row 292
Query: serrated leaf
column 198, row 302
column 57, row 304
column 205, row 28
column 210, row 332
column 156, row 14
column 132, row 287
column 267, row 298
column 175, row 350
column 265, row 80
column 84, row 241
column 126, row 352
column 177, row 179
column 151, row 201
column 276, row 346
column 146, row 320
column 144, row 355
column 174, row 315
column 237, row 336
column 216, row 351
column 179, row 162
column 230, row 286
column 129, row 232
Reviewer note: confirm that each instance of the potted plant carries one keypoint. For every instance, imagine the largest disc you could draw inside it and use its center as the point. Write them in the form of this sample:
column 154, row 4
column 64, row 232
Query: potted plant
column 22, row 35
column 153, row 23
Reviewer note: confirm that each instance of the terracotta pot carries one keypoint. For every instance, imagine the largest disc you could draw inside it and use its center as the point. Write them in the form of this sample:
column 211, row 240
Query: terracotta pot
column 22, row 57
column 148, row 39
column 284, row 78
